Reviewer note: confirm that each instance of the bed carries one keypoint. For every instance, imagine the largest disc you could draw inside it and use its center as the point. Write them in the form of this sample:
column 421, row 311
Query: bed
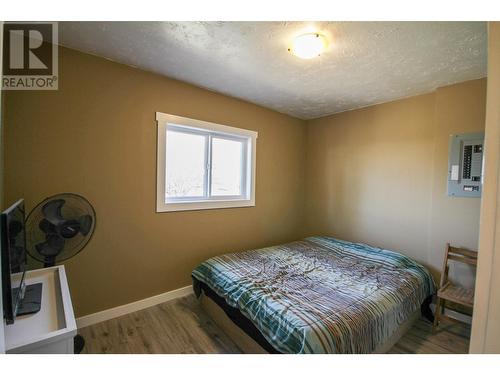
column 317, row 295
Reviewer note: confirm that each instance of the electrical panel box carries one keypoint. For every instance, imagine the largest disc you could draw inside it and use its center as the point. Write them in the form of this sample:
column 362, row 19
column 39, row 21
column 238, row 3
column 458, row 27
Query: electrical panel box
column 465, row 165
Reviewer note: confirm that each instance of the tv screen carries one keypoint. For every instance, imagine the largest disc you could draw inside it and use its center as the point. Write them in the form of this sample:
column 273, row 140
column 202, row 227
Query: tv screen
column 14, row 260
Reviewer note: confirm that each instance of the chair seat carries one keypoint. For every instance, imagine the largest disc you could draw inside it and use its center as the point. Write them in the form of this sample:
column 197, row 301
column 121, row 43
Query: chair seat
column 457, row 294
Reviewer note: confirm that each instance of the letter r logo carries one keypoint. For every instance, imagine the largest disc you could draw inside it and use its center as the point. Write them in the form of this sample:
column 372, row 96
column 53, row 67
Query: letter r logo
column 17, row 47
column 28, row 49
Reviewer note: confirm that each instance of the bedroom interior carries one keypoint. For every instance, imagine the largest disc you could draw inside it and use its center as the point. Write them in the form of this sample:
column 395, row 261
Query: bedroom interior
column 254, row 187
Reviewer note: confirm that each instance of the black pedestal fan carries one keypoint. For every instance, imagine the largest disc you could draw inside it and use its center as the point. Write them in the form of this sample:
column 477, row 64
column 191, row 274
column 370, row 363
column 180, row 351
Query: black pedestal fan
column 57, row 229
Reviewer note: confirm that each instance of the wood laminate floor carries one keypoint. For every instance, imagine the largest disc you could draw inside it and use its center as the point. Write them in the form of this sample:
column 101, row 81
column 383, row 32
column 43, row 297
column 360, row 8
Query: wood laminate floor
column 180, row 326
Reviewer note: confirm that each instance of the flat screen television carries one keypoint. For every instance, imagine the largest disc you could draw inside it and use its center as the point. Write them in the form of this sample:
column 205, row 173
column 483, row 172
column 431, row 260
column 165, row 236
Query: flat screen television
column 18, row 299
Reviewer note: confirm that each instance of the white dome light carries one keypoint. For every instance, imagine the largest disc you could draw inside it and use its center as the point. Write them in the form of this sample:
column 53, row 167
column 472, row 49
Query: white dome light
column 307, row 46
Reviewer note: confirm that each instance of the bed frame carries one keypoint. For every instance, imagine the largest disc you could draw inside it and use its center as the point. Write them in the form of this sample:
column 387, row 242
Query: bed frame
column 250, row 346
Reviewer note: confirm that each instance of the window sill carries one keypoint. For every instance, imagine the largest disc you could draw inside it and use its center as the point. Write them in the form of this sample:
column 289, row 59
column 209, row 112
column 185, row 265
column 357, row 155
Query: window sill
column 204, row 205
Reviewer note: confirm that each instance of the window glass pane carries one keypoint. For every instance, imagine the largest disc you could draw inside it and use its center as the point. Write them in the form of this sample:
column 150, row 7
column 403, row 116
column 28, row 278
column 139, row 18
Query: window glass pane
column 185, row 164
column 226, row 167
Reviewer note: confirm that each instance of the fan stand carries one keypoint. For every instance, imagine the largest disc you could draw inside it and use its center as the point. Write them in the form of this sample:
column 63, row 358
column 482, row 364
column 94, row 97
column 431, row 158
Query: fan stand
column 49, row 262
column 78, row 340
column 78, row 344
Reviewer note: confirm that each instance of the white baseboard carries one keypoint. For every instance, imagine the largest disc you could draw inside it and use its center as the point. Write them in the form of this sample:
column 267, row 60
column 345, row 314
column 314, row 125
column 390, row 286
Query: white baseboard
column 115, row 312
column 454, row 314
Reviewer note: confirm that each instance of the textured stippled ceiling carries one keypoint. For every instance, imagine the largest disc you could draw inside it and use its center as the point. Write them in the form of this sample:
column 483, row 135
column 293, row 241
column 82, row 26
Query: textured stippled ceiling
column 366, row 62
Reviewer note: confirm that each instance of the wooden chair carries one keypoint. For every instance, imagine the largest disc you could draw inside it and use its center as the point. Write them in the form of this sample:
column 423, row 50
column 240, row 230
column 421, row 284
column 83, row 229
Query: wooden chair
column 449, row 292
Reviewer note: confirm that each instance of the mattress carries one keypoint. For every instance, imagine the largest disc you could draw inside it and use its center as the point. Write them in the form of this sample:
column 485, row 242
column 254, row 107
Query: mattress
column 319, row 295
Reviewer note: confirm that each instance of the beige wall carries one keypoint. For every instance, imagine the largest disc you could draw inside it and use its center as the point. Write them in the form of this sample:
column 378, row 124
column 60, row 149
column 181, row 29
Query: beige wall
column 485, row 336
column 378, row 174
column 459, row 109
column 96, row 136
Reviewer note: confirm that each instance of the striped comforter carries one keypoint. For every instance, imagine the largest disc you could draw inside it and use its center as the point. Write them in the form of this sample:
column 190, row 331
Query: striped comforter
column 320, row 295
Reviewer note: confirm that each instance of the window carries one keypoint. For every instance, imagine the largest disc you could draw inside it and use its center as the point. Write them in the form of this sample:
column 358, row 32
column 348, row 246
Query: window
column 202, row 165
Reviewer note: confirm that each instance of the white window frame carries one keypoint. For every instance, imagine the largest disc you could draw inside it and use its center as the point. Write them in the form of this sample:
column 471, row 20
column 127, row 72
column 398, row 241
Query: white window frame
column 210, row 130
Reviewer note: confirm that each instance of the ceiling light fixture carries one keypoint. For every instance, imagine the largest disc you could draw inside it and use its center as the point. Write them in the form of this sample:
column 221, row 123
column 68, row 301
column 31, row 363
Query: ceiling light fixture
column 307, row 46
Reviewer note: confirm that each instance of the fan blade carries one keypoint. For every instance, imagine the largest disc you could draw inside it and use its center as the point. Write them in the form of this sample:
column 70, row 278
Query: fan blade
column 69, row 228
column 47, row 227
column 44, row 249
column 52, row 211
column 85, row 224
column 51, row 247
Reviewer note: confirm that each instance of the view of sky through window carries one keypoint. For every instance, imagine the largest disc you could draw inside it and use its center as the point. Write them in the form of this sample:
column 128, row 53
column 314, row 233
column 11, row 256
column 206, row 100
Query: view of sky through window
column 185, row 164
column 226, row 167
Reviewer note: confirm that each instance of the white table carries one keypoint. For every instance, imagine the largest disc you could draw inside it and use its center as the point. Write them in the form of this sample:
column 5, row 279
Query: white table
column 52, row 329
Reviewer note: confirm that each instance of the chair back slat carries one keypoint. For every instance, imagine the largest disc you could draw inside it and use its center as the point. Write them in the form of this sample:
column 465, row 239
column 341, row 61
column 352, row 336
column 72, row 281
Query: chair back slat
column 471, row 261
column 463, row 252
